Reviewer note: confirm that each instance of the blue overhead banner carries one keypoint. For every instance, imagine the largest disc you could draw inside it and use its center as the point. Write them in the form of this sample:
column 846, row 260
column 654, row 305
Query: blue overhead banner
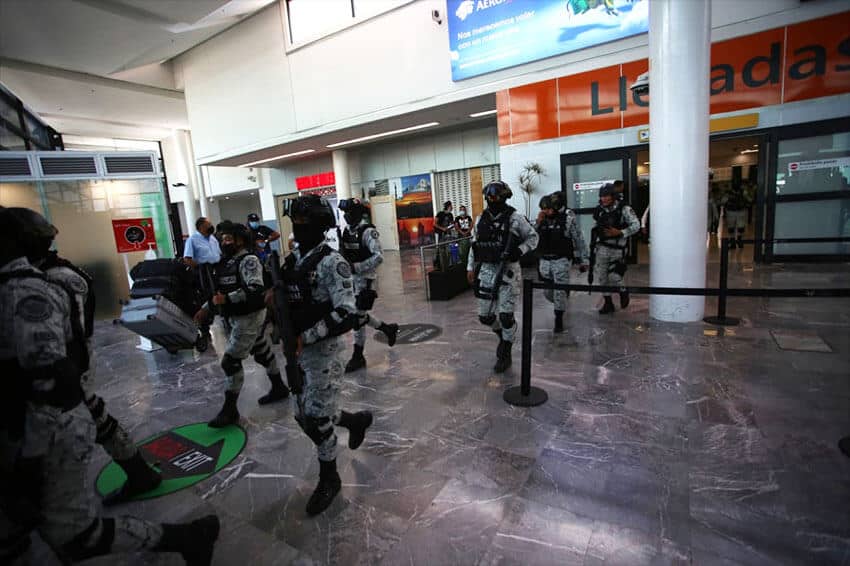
column 489, row 35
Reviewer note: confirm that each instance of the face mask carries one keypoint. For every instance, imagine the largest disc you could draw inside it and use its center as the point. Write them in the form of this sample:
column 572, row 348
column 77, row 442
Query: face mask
column 254, row 225
column 496, row 206
column 228, row 249
column 462, row 213
column 308, row 236
column 261, row 245
column 211, row 230
column 351, row 219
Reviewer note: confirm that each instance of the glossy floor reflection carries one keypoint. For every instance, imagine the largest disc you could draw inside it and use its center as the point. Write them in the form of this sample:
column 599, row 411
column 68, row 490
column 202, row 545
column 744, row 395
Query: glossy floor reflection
column 660, row 443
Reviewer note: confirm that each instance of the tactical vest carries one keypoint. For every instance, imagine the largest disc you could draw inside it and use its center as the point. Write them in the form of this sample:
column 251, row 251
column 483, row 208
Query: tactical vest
column 554, row 243
column 609, row 219
column 229, row 279
column 736, row 201
column 19, row 391
column 491, row 236
column 352, row 246
column 299, row 282
column 53, row 260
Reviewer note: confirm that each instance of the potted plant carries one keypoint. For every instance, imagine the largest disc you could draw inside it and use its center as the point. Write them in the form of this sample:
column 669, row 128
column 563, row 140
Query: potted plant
column 528, row 179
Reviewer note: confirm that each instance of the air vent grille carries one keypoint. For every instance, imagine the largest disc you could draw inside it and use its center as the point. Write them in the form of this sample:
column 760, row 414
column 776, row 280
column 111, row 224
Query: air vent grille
column 51, row 166
column 14, row 167
column 125, row 165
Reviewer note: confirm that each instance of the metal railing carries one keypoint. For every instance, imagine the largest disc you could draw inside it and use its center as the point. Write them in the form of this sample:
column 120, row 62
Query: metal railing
column 524, row 395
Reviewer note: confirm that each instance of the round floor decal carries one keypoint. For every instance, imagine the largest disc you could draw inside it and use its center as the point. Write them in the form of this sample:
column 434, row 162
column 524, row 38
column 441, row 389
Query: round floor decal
column 184, row 456
column 412, row 333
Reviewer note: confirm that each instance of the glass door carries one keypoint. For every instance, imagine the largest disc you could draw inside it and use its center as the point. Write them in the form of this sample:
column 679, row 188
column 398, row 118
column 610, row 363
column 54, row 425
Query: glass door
column 583, row 174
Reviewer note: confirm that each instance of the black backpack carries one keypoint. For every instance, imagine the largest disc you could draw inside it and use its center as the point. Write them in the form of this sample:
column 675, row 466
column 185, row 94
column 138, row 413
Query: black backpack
column 53, row 260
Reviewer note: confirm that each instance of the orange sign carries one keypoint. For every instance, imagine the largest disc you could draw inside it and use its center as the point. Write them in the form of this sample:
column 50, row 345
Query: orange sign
column 798, row 62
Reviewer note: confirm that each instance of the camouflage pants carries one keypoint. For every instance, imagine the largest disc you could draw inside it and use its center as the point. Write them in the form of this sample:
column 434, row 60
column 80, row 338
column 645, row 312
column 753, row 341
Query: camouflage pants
column 323, row 369
column 557, row 271
column 110, row 434
column 736, row 219
column 248, row 336
column 500, row 310
column 603, row 272
column 71, row 525
column 361, row 284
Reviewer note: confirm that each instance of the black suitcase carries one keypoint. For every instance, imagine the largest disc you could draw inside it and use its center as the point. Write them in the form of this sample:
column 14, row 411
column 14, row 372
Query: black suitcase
column 167, row 278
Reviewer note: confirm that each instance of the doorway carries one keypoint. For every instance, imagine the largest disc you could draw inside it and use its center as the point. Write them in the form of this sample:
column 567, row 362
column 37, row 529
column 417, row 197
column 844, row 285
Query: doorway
column 737, row 162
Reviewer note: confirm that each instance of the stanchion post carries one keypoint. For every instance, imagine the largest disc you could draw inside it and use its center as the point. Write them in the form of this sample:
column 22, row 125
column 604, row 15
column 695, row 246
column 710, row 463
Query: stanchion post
column 721, row 319
column 525, row 395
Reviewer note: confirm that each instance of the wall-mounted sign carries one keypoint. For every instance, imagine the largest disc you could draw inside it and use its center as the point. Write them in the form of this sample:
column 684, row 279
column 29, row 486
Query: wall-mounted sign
column 488, row 35
column 134, row 234
column 796, row 166
column 643, row 135
column 592, row 185
column 325, row 179
column 797, row 62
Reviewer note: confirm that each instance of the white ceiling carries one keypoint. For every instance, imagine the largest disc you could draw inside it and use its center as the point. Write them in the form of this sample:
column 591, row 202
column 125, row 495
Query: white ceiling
column 104, row 37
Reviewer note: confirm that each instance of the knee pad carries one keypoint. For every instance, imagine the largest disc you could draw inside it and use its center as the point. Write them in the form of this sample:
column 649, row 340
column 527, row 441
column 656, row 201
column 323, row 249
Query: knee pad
column 86, row 545
column 506, row 319
column 312, row 427
column 487, row 319
column 230, row 365
column 264, row 357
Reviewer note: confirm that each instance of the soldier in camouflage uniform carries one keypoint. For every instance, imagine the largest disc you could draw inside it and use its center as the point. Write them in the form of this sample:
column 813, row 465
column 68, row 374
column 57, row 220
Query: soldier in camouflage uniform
column 110, row 434
column 362, row 248
column 501, row 237
column 561, row 243
column 239, row 298
column 616, row 222
column 320, row 292
column 43, row 355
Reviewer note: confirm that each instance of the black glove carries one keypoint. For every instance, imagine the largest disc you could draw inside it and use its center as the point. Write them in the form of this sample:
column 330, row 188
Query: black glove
column 512, row 255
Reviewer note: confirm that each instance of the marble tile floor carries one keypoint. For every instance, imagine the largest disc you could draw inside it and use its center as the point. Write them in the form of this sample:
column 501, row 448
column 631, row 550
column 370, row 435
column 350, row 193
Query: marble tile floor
column 660, row 443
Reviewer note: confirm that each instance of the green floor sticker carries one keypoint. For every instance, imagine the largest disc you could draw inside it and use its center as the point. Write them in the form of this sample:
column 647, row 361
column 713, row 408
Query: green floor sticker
column 184, row 456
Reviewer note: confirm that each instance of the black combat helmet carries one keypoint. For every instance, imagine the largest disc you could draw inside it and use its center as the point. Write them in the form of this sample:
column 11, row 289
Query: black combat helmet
column 545, row 202
column 498, row 190
column 314, row 208
column 238, row 231
column 25, row 233
column 353, row 209
column 557, row 200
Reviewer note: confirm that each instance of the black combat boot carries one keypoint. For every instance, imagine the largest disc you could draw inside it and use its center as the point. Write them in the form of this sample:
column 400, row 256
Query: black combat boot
column 357, row 360
column 356, row 423
column 194, row 541
column 740, row 242
column 608, row 307
column 624, row 299
column 503, row 356
column 559, row 322
column 229, row 414
column 278, row 391
column 140, row 478
column 329, row 486
column 390, row 331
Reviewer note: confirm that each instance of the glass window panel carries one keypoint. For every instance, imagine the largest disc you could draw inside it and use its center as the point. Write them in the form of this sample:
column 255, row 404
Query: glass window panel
column 583, row 175
column 367, row 8
column 812, row 219
column 38, row 132
column 310, row 19
column 23, row 194
column 9, row 111
column 10, row 139
column 814, row 165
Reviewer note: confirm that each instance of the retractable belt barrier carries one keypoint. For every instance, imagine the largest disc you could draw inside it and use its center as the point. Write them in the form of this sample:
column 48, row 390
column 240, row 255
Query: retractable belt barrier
column 524, row 395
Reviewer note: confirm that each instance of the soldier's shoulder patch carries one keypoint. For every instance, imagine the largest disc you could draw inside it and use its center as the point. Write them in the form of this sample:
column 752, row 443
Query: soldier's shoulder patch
column 34, row 308
column 343, row 269
column 251, row 261
column 373, row 234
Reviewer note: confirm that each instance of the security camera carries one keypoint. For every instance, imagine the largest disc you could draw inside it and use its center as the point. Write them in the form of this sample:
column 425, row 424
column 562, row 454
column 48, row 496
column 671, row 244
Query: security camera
column 435, row 15
column 641, row 85
column 178, row 184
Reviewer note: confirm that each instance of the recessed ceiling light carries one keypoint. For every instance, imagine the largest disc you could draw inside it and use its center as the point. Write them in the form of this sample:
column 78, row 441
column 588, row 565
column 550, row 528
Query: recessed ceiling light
column 384, row 134
column 275, row 158
column 485, row 113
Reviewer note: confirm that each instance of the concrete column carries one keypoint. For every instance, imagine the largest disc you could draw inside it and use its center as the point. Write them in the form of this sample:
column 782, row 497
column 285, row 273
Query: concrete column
column 343, row 185
column 679, row 67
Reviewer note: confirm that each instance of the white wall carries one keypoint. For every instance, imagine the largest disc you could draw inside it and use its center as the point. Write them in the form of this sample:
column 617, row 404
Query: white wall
column 244, row 92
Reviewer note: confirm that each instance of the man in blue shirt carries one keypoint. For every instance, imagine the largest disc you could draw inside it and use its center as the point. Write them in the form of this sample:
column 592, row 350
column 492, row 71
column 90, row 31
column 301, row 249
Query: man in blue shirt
column 202, row 252
column 201, row 248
